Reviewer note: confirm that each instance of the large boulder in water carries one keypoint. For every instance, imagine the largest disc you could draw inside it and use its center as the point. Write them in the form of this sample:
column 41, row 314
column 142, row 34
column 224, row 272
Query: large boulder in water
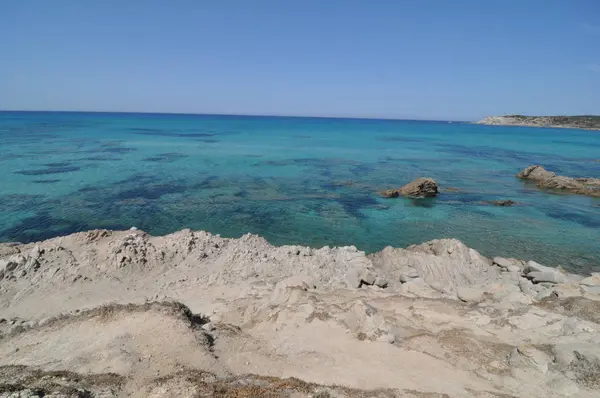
column 421, row 187
column 536, row 173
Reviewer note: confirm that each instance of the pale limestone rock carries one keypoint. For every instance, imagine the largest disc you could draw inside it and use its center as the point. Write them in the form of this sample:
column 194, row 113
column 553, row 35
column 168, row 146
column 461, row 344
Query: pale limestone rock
column 514, row 268
column 364, row 318
column 564, row 353
column 565, row 290
column 527, row 286
column 418, row 288
column 528, row 321
column 468, row 294
column 545, row 294
column 510, row 265
column 591, row 290
column 498, row 291
column 35, row 252
column 408, row 275
column 527, row 357
column 550, row 277
column 532, row 266
column 564, row 387
column 380, row 282
column 352, row 279
column 593, row 280
column 536, row 173
column 368, row 277
column 518, row 298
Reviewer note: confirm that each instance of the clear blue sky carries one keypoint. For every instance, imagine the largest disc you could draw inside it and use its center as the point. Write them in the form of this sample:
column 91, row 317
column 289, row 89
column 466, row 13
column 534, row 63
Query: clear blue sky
column 427, row 59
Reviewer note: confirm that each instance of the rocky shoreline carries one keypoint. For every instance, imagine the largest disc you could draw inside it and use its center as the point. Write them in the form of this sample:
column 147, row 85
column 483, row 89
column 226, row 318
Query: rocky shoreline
column 122, row 313
column 571, row 122
column 548, row 180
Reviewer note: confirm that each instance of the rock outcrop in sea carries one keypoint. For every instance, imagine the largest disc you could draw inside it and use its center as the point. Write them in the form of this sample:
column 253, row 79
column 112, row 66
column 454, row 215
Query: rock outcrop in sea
column 419, row 188
column 122, row 313
column 548, row 180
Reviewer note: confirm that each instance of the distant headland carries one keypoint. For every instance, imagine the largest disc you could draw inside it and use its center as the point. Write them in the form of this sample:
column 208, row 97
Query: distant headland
column 587, row 122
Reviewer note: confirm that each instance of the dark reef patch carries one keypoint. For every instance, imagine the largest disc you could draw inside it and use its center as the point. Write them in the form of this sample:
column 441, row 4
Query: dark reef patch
column 110, row 144
column 398, row 139
column 194, row 135
column 427, row 203
column 45, row 181
column 173, row 133
column 45, row 152
column 101, row 158
column 169, row 157
column 10, row 156
column 362, row 169
column 139, row 179
column 576, row 143
column 43, row 226
column 49, row 170
column 20, row 202
column 502, row 154
column 587, row 220
column 150, row 191
column 242, row 194
column 58, row 164
column 461, row 197
column 353, row 204
column 112, row 150
column 207, row 183
column 138, row 188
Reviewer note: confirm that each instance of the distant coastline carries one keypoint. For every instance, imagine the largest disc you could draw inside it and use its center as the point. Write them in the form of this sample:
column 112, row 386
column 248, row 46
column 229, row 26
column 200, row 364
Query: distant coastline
column 586, row 122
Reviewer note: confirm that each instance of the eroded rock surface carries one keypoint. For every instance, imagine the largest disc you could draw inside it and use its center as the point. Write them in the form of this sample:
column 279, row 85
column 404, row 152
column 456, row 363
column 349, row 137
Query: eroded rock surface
column 122, row 313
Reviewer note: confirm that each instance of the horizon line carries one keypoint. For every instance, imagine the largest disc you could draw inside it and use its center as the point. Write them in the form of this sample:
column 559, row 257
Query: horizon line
column 239, row 114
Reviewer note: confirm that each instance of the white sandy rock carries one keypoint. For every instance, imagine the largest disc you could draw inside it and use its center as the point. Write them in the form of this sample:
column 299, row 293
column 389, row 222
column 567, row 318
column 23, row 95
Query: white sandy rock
column 293, row 311
column 445, row 264
column 593, row 280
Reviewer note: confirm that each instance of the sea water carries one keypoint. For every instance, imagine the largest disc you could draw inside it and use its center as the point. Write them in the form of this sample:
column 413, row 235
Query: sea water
column 309, row 181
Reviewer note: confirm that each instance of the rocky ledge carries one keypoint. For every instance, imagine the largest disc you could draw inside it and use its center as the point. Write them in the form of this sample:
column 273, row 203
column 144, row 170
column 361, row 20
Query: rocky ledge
column 572, row 122
column 548, row 180
column 123, row 313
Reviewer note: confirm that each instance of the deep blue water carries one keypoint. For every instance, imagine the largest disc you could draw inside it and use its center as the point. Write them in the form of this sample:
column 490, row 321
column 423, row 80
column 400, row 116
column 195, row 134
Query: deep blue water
column 306, row 181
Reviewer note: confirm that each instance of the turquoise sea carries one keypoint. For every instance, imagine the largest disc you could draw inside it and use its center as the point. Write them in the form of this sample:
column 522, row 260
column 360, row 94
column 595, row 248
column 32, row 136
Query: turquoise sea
column 310, row 181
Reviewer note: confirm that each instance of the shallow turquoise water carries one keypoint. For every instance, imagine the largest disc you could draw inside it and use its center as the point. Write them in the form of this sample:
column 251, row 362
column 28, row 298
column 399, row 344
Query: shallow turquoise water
column 306, row 181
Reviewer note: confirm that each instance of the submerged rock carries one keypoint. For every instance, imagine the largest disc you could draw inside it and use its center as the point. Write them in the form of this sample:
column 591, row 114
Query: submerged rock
column 506, row 202
column 421, row 187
